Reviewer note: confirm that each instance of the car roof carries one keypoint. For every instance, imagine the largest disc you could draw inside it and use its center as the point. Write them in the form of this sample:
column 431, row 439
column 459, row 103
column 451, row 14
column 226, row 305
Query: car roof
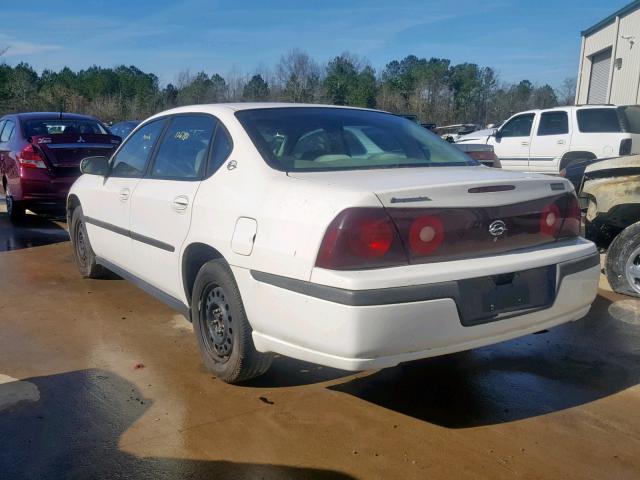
column 59, row 115
column 565, row 107
column 214, row 108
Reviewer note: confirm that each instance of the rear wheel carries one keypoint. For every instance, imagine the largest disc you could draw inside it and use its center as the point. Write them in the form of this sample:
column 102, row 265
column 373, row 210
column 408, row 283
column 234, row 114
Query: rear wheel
column 85, row 258
column 623, row 262
column 15, row 210
column 221, row 326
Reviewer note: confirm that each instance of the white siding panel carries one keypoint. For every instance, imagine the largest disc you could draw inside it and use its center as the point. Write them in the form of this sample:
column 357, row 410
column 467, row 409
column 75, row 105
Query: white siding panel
column 624, row 88
column 598, row 41
column 594, row 43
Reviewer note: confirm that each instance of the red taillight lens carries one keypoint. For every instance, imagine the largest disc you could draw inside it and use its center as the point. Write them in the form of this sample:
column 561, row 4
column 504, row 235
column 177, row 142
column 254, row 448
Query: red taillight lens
column 426, row 234
column 361, row 238
column 572, row 218
column 372, row 238
column 28, row 157
column 550, row 220
column 561, row 218
column 483, row 155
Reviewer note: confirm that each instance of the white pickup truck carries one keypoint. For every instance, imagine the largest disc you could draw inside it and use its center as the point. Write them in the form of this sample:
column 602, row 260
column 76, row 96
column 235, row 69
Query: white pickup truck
column 547, row 141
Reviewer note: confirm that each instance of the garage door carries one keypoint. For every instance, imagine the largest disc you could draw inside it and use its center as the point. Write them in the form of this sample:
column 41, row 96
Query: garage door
column 599, row 82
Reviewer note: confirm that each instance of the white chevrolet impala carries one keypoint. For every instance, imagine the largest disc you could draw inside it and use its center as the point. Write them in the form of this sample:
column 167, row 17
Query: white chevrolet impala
column 347, row 237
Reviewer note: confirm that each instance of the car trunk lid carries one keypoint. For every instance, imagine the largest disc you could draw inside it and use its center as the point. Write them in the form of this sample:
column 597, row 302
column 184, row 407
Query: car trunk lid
column 451, row 213
column 442, row 186
column 65, row 151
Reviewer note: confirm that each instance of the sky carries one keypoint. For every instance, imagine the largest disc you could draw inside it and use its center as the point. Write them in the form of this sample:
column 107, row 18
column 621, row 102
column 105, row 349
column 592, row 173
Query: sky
column 537, row 40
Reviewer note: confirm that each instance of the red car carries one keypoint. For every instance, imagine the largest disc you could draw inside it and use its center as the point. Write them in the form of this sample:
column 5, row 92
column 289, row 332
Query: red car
column 40, row 155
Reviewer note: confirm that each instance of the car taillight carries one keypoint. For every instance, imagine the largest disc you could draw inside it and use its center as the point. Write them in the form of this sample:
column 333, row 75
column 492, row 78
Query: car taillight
column 550, row 220
column 426, row 234
column 625, row 147
column 561, row 218
column 572, row 218
column 370, row 237
column 361, row 238
column 28, row 157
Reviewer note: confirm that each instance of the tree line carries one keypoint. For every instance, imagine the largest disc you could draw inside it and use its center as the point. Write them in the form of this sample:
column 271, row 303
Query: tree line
column 434, row 89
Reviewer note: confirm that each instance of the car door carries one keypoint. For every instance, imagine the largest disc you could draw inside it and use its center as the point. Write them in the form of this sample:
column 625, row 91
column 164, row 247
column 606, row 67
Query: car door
column 162, row 202
column 106, row 201
column 3, row 151
column 511, row 143
column 550, row 142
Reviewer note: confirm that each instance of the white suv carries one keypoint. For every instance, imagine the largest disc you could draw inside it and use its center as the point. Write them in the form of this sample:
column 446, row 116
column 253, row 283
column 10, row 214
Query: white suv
column 347, row 237
column 547, row 141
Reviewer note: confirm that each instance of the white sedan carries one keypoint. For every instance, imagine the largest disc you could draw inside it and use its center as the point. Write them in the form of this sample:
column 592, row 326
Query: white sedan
column 347, row 237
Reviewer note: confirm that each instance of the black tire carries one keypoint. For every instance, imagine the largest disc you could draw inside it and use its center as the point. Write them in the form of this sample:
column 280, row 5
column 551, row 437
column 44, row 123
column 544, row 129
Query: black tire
column 83, row 253
column 16, row 211
column 221, row 326
column 622, row 258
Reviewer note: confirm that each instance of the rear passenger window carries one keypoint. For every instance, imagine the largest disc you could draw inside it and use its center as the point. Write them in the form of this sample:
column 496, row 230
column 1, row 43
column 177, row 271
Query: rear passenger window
column 598, row 120
column 222, row 147
column 553, row 123
column 131, row 159
column 182, row 155
column 7, row 131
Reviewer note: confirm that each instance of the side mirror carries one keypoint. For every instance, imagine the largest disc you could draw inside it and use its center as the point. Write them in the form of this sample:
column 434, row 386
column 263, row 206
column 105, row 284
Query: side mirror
column 496, row 133
column 95, row 166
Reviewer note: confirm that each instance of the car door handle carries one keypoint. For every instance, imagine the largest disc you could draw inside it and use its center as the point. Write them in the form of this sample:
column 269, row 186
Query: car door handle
column 525, row 144
column 561, row 142
column 124, row 194
column 180, row 203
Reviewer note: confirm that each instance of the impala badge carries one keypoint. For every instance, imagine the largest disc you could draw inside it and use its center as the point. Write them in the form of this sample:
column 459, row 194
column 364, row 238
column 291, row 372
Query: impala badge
column 497, row 228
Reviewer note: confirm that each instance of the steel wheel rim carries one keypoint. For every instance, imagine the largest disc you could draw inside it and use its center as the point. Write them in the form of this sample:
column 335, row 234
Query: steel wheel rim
column 632, row 270
column 217, row 323
column 81, row 246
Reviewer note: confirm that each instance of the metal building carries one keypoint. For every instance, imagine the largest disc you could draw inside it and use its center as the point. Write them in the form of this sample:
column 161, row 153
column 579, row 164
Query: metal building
column 610, row 59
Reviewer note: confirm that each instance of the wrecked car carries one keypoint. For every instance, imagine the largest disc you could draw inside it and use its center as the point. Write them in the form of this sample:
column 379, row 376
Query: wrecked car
column 611, row 189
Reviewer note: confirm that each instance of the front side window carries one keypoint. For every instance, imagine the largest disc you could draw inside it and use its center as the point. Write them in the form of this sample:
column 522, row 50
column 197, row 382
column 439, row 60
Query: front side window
column 2, row 122
column 184, row 148
column 326, row 139
column 553, row 123
column 598, row 120
column 519, row 126
column 131, row 159
column 57, row 126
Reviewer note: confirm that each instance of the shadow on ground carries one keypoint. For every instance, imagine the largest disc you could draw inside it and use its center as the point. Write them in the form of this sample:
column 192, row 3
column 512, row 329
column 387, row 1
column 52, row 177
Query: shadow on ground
column 571, row 365
column 72, row 432
column 33, row 231
column 288, row 372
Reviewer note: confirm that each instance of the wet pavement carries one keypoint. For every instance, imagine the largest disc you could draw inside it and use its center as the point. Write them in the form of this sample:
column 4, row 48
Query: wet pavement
column 33, row 231
column 99, row 380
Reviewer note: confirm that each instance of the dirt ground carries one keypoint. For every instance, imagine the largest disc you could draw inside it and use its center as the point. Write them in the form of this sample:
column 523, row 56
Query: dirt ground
column 100, row 380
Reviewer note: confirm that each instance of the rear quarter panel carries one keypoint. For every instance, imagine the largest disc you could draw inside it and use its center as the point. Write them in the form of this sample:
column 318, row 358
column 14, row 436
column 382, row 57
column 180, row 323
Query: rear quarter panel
column 291, row 214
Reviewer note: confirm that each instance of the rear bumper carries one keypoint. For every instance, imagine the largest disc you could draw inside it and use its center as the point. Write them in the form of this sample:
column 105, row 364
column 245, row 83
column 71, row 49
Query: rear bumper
column 38, row 186
column 360, row 329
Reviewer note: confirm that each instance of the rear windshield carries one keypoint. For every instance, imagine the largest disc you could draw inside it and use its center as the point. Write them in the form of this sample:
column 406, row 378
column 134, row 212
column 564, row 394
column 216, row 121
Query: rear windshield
column 61, row 127
column 598, row 120
column 325, row 139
